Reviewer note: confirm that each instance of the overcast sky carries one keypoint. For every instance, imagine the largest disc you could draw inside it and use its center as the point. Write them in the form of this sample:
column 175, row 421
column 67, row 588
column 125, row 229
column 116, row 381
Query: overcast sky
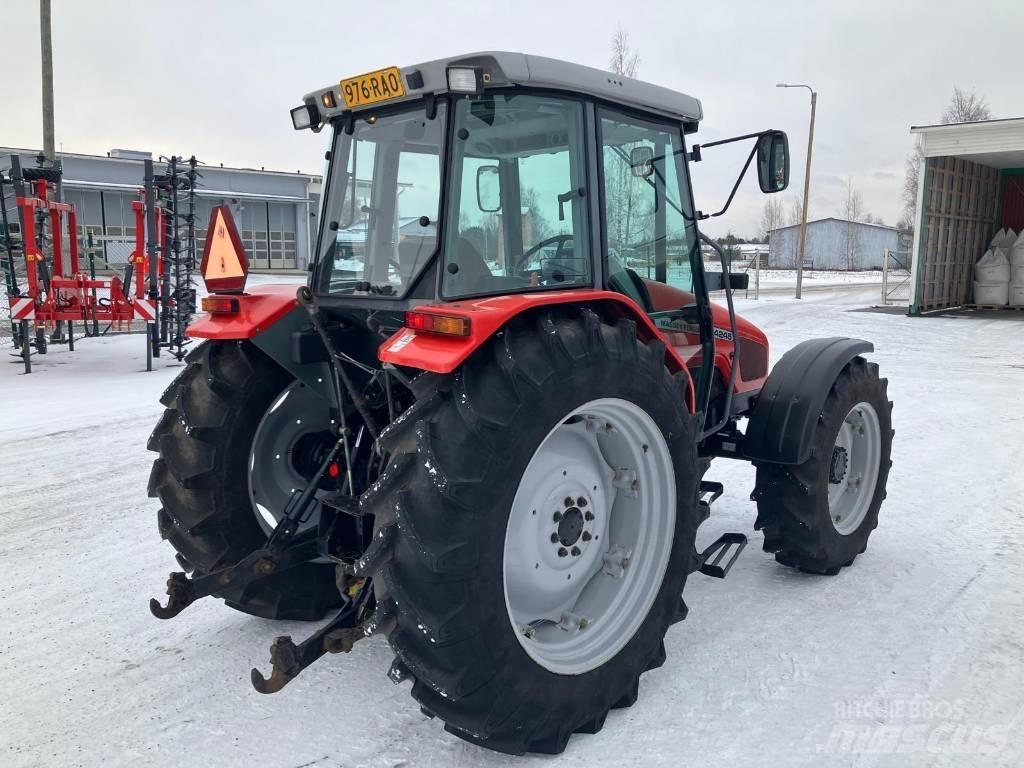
column 217, row 78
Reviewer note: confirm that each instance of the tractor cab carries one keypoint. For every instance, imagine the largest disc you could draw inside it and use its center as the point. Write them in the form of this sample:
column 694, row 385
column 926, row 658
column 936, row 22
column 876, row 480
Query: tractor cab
column 505, row 175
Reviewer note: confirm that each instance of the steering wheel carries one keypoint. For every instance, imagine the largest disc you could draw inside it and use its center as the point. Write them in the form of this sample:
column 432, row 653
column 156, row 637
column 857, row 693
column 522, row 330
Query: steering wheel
column 557, row 240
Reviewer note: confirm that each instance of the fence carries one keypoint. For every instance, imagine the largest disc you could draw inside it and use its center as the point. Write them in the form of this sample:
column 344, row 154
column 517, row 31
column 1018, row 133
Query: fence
column 896, row 277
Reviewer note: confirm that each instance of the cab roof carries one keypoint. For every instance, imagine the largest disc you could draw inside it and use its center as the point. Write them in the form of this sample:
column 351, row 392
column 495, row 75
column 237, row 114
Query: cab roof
column 502, row 69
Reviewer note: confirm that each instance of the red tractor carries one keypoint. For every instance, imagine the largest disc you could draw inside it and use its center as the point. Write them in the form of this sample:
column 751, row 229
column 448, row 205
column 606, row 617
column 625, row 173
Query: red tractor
column 481, row 429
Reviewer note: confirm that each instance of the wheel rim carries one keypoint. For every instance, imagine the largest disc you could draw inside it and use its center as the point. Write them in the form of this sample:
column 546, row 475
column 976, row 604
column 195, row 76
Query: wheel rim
column 853, row 468
column 589, row 536
column 285, row 452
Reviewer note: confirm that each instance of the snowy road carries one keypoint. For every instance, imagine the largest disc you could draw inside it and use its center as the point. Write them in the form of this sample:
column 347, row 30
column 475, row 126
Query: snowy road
column 911, row 657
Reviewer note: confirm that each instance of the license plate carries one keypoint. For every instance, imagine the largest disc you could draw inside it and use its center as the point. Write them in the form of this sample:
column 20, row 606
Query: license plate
column 373, row 87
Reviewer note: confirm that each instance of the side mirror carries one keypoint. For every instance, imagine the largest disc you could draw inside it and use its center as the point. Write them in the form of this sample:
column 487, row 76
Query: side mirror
column 641, row 162
column 716, row 281
column 773, row 161
column 488, row 188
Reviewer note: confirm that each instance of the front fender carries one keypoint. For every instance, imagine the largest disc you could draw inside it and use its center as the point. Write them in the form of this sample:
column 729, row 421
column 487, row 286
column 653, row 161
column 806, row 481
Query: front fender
column 443, row 354
column 781, row 428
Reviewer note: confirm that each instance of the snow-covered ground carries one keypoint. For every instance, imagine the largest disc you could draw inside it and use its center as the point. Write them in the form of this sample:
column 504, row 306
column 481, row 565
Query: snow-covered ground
column 914, row 656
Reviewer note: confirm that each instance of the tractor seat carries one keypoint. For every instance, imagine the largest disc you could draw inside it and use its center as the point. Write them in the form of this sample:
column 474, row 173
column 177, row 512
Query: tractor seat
column 665, row 297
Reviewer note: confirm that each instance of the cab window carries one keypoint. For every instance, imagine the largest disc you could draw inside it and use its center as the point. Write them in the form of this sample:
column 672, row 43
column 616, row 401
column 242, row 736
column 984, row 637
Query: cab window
column 649, row 223
column 517, row 211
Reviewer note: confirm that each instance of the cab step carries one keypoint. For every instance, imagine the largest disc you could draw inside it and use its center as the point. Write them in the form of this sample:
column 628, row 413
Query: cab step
column 709, row 494
column 711, row 558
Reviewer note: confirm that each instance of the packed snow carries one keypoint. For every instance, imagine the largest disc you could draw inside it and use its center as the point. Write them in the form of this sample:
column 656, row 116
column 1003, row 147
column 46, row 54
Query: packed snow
column 913, row 656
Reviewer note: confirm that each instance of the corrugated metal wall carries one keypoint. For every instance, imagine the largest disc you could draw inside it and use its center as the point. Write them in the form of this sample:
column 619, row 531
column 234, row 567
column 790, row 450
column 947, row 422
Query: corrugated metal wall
column 833, row 244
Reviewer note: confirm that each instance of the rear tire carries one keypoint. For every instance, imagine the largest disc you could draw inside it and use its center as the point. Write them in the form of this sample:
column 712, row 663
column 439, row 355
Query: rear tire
column 442, row 512
column 204, row 439
column 800, row 523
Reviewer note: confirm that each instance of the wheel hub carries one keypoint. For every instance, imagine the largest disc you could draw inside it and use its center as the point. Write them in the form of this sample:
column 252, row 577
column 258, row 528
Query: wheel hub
column 840, row 461
column 570, row 525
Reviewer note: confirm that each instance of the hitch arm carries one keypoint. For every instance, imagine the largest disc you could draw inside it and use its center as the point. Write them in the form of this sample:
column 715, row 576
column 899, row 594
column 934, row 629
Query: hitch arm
column 337, row 636
column 183, row 591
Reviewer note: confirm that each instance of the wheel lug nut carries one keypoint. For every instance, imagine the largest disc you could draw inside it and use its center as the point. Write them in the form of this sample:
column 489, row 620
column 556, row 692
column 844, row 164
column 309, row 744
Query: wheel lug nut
column 575, row 551
column 554, row 538
column 557, row 516
column 581, row 502
column 567, row 501
column 588, row 516
column 562, row 552
column 586, row 536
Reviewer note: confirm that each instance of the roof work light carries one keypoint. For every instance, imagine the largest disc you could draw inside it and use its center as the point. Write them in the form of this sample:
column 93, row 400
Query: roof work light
column 466, row 80
column 306, row 116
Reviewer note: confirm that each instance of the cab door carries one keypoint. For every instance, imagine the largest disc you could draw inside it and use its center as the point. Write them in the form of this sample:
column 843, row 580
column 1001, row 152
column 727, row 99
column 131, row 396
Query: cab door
column 649, row 229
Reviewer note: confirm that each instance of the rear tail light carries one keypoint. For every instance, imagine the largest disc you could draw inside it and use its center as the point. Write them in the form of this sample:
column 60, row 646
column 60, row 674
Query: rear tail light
column 220, row 305
column 448, row 325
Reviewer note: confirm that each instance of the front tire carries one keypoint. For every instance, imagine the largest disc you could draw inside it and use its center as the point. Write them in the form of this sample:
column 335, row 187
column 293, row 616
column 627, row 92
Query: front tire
column 817, row 516
column 460, row 460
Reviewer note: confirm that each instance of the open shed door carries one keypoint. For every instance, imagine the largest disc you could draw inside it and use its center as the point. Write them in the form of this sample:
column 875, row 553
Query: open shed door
column 957, row 218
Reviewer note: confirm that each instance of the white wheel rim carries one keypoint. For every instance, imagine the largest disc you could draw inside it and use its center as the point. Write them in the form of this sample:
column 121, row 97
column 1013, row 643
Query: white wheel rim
column 853, row 468
column 606, row 471
column 296, row 412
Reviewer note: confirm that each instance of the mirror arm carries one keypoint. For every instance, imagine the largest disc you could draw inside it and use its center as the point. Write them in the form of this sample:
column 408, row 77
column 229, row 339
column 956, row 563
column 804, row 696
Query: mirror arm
column 733, row 139
column 736, row 186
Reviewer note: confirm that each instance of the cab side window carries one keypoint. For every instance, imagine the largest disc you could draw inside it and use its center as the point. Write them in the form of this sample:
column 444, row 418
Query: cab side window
column 649, row 223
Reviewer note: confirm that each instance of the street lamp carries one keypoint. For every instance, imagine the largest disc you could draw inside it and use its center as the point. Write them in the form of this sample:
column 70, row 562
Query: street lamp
column 807, row 185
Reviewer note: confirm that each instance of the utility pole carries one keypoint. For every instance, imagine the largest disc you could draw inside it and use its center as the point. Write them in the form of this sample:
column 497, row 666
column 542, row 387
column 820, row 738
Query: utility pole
column 807, row 186
column 46, row 49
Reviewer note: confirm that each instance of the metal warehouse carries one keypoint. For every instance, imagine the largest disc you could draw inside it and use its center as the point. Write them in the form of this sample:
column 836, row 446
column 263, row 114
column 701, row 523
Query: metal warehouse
column 970, row 188
column 275, row 211
column 833, row 244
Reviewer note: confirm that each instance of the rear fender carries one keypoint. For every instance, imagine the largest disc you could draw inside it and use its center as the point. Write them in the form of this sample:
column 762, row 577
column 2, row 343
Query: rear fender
column 781, row 428
column 443, row 354
column 270, row 317
column 258, row 309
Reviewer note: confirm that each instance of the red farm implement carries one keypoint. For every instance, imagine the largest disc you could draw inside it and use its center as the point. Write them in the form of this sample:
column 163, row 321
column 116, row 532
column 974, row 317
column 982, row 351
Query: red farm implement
column 57, row 293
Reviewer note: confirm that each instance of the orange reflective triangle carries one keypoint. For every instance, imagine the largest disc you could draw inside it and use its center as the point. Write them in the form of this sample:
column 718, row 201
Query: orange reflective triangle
column 224, row 266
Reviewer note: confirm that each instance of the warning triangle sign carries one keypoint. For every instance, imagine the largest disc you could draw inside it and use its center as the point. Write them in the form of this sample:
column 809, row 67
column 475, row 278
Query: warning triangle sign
column 224, row 265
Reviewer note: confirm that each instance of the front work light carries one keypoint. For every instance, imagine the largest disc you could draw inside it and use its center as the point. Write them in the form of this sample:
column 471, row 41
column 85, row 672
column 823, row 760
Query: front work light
column 465, row 80
column 305, row 116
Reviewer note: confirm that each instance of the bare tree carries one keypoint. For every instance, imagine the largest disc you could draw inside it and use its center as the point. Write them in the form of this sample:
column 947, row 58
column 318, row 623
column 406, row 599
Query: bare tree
column 772, row 216
column 911, row 177
column 629, row 206
column 853, row 211
column 966, row 107
column 796, row 210
column 624, row 59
